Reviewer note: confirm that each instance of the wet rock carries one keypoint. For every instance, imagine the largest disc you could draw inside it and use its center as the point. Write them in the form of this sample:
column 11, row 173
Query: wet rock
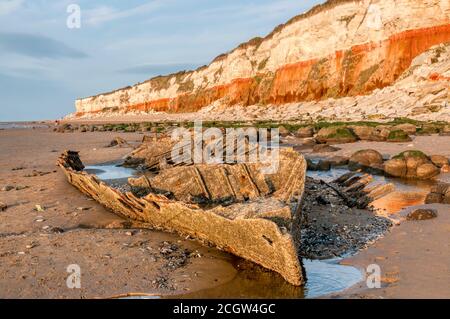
column 337, row 161
column 427, row 171
column 3, row 207
column 304, row 132
column 7, row 188
column 336, row 135
column 365, row 159
column 324, row 148
column 421, row 214
column 439, row 194
column 411, row 164
column 439, row 160
column 322, row 165
column 398, row 136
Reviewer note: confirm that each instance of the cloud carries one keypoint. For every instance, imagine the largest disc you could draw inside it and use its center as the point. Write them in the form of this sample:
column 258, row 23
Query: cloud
column 9, row 6
column 102, row 14
column 37, row 46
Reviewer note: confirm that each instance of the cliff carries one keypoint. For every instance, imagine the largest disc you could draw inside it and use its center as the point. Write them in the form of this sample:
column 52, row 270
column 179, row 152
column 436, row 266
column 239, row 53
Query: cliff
column 337, row 49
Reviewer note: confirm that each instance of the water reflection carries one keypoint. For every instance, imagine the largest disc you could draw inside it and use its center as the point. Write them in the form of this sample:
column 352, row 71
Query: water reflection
column 253, row 281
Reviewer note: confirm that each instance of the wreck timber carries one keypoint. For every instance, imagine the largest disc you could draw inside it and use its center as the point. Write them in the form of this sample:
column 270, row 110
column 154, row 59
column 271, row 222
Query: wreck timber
column 262, row 223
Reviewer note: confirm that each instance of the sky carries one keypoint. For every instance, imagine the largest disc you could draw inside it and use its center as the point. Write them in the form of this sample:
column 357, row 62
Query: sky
column 45, row 65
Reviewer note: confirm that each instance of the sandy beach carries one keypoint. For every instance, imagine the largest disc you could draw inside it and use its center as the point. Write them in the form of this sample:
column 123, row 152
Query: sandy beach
column 49, row 225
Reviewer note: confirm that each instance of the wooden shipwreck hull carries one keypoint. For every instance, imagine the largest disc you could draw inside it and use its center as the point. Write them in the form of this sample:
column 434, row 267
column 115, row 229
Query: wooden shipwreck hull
column 233, row 207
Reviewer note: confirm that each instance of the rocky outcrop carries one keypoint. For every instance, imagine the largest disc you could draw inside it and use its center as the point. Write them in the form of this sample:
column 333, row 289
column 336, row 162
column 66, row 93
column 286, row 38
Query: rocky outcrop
column 340, row 48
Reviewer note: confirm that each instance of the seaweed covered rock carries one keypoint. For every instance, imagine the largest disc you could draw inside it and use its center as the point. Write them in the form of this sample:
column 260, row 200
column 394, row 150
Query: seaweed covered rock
column 421, row 214
column 336, row 135
column 411, row 164
column 398, row 136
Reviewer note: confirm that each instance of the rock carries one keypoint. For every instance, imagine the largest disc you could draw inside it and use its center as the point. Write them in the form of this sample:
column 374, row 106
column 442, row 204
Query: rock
column 427, row 171
column 439, row 160
column 7, row 188
column 324, row 148
column 398, row 136
column 365, row 158
column 422, row 214
column 3, row 207
column 445, row 169
column 304, row 132
column 411, row 164
column 336, row 161
column 439, row 194
column 118, row 141
column 39, row 208
column 309, row 142
column 369, row 133
column 409, row 129
column 445, row 131
column 283, row 131
column 323, row 165
column 336, row 135
column 395, row 167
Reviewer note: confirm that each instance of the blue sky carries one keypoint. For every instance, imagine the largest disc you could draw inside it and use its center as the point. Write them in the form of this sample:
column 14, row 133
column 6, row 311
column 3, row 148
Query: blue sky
column 45, row 66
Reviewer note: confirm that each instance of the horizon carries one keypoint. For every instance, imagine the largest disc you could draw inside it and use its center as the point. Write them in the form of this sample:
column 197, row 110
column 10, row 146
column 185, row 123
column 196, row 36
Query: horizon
column 54, row 65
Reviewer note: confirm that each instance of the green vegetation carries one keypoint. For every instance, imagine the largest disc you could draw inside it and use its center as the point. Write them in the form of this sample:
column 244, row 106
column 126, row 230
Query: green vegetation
column 398, row 135
column 413, row 153
column 342, row 132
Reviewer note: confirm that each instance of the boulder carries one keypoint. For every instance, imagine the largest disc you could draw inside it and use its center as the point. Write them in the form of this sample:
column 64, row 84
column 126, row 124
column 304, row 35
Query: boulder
column 7, row 188
column 364, row 133
column 336, row 135
column 422, row 214
column 365, row 158
column 336, row 161
column 439, row 194
column 395, row 167
column 411, row 164
column 439, row 160
column 427, row 171
column 304, row 132
column 445, row 131
column 409, row 129
column 283, row 131
column 398, row 136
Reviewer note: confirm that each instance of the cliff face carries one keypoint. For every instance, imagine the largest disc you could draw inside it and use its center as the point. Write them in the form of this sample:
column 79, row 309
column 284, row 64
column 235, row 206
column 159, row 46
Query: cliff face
column 341, row 48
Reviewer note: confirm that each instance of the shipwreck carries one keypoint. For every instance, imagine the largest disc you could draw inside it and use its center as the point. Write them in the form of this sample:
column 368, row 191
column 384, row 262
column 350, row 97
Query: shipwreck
column 234, row 207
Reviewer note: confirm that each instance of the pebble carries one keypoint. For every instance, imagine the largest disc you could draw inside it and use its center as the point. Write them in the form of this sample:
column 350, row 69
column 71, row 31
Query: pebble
column 129, row 233
column 3, row 207
column 39, row 208
column 83, row 208
column 39, row 220
column 7, row 188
